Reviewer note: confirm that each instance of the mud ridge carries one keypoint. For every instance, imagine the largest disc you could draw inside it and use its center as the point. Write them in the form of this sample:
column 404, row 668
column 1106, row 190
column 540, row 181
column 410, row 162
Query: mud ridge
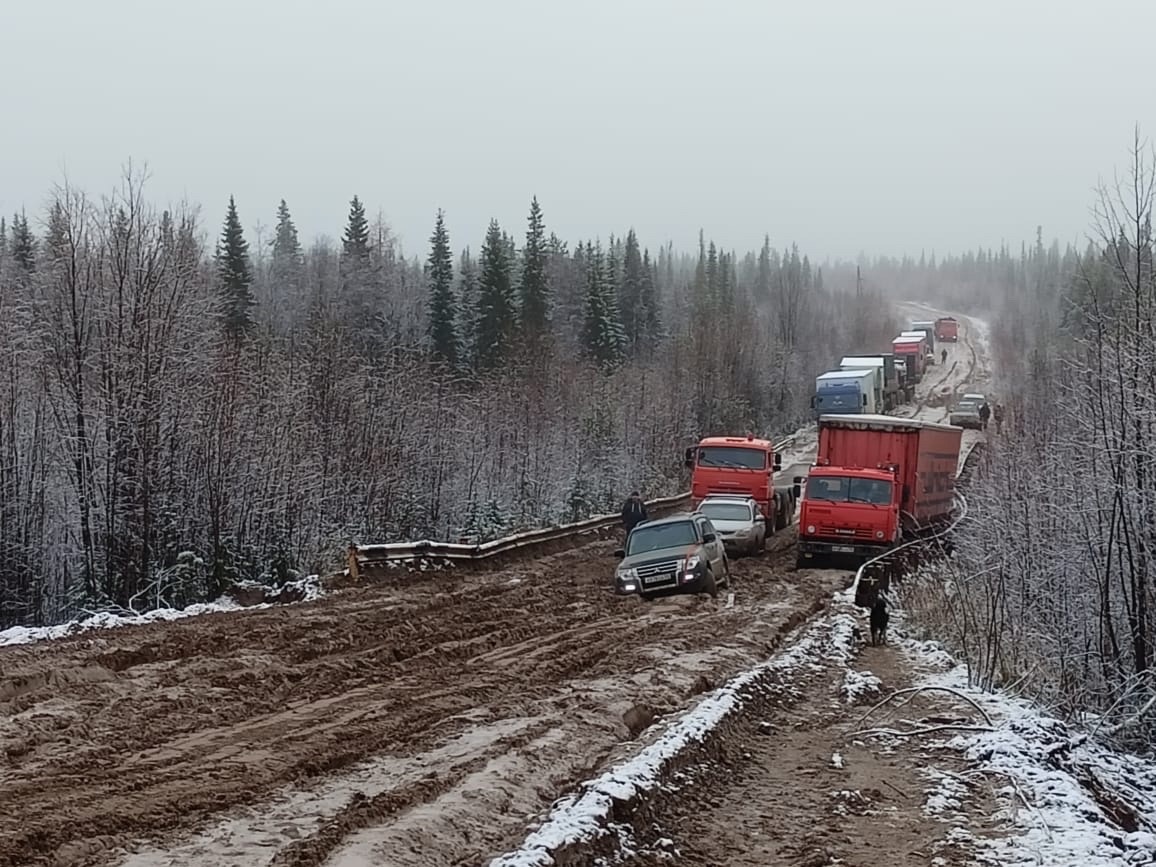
column 602, row 831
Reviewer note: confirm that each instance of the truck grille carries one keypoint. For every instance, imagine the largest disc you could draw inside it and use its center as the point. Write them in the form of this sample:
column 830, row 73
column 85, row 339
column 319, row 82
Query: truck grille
column 842, row 532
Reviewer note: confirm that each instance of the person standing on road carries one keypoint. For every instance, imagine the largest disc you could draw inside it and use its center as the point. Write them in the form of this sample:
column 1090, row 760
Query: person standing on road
column 984, row 415
column 997, row 414
column 943, row 355
column 633, row 512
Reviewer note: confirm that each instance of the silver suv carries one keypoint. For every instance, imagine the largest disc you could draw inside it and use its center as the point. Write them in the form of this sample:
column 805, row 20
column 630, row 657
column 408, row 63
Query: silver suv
column 677, row 554
column 739, row 522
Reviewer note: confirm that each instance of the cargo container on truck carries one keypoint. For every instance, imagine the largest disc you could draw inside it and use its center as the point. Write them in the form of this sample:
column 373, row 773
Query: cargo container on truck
column 947, row 329
column 844, row 391
column 877, row 480
column 744, row 466
column 884, row 395
column 913, row 351
column 927, row 326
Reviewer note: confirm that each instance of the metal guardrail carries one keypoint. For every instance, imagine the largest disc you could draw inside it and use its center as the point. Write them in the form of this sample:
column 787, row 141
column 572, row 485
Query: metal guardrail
column 363, row 557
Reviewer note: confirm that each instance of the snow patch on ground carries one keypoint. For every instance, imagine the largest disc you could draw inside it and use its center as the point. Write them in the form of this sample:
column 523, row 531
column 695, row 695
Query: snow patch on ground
column 310, row 587
column 858, row 685
column 583, row 815
column 1065, row 800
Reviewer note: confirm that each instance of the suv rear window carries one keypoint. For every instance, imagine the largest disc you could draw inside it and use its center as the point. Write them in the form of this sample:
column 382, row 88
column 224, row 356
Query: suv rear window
column 726, row 511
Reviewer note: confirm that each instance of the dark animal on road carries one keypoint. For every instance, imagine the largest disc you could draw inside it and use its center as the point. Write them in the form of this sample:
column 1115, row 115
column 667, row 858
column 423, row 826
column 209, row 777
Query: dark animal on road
column 879, row 618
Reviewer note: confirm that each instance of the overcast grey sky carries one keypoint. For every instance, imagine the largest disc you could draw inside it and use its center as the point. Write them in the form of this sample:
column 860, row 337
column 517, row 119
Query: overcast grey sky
column 846, row 126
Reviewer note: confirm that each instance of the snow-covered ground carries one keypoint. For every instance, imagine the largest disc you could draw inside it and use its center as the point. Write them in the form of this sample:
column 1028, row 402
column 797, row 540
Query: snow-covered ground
column 310, row 587
column 1043, row 773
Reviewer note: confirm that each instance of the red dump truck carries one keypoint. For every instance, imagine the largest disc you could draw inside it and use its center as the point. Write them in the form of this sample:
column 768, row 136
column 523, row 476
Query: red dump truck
column 743, row 466
column 947, row 329
column 876, row 481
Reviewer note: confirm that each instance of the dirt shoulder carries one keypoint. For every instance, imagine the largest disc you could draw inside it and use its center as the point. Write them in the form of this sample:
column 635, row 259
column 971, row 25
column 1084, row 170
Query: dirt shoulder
column 795, row 787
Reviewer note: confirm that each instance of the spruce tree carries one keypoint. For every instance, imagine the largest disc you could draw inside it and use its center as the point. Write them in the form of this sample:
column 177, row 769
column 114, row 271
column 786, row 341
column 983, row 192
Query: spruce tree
column 236, row 276
column 286, row 244
column 23, row 244
column 468, row 290
column 355, row 242
column 56, row 239
column 497, row 314
column 534, row 286
column 651, row 325
column 602, row 334
column 633, row 311
column 439, row 273
column 763, row 280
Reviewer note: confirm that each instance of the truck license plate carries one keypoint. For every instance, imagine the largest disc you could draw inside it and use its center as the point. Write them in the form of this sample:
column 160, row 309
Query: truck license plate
column 843, row 549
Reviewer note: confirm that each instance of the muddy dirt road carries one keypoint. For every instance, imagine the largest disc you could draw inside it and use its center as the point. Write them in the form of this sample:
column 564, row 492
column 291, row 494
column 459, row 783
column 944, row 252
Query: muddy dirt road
column 475, row 698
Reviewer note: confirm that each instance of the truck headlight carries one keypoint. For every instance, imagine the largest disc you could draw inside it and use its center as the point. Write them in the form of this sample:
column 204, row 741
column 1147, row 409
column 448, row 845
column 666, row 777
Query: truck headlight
column 811, row 529
column 878, row 534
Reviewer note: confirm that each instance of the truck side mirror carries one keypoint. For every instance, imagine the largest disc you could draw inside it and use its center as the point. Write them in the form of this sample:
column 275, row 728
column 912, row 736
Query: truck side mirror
column 778, row 461
column 688, row 457
column 864, row 400
column 812, row 401
column 797, row 490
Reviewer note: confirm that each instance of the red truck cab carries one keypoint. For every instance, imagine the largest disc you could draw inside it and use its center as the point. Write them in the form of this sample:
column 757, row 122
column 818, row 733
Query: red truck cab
column 914, row 350
column 876, row 479
column 737, row 465
column 947, row 329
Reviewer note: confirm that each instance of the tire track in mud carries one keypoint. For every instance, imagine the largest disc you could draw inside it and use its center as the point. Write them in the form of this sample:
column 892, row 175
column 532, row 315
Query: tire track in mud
column 132, row 735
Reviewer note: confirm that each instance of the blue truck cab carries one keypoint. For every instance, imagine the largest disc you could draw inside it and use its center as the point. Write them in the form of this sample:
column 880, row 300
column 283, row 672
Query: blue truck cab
column 841, row 391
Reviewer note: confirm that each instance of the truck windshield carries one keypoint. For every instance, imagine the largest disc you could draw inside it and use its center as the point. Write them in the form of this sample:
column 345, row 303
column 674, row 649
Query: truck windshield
column 658, row 536
column 735, row 457
column 726, row 511
column 849, row 488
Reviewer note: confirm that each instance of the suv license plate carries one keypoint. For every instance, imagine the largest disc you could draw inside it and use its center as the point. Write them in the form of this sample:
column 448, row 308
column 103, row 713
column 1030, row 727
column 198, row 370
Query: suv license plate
column 843, row 549
column 656, row 579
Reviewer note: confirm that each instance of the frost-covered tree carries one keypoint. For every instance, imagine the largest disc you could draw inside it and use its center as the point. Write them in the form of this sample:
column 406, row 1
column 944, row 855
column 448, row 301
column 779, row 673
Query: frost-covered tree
column 497, row 315
column 534, row 285
column 236, row 276
column 603, row 336
column 355, row 241
column 439, row 270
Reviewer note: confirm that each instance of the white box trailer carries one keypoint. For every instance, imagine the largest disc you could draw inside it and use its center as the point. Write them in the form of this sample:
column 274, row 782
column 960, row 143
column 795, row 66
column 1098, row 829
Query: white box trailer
column 856, row 362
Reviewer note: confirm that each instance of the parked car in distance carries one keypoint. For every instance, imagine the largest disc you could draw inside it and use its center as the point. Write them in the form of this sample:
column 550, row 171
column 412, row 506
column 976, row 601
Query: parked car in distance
column 676, row 554
column 966, row 412
column 739, row 521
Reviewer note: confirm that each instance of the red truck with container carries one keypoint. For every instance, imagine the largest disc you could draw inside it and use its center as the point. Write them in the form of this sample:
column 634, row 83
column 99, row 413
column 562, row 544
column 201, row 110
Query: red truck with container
column 947, row 329
column 914, row 351
column 744, row 466
column 876, row 481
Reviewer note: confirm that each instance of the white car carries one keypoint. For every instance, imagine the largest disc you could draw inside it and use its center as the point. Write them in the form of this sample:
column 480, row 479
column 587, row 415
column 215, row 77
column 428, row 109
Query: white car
column 738, row 520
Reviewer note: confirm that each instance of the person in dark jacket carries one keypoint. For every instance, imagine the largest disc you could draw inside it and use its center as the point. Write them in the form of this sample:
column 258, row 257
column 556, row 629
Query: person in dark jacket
column 984, row 415
column 633, row 512
column 944, row 356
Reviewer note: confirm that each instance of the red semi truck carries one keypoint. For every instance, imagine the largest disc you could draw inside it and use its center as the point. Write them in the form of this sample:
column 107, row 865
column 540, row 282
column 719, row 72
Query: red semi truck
column 914, row 350
column 947, row 329
column 876, row 480
column 744, row 466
